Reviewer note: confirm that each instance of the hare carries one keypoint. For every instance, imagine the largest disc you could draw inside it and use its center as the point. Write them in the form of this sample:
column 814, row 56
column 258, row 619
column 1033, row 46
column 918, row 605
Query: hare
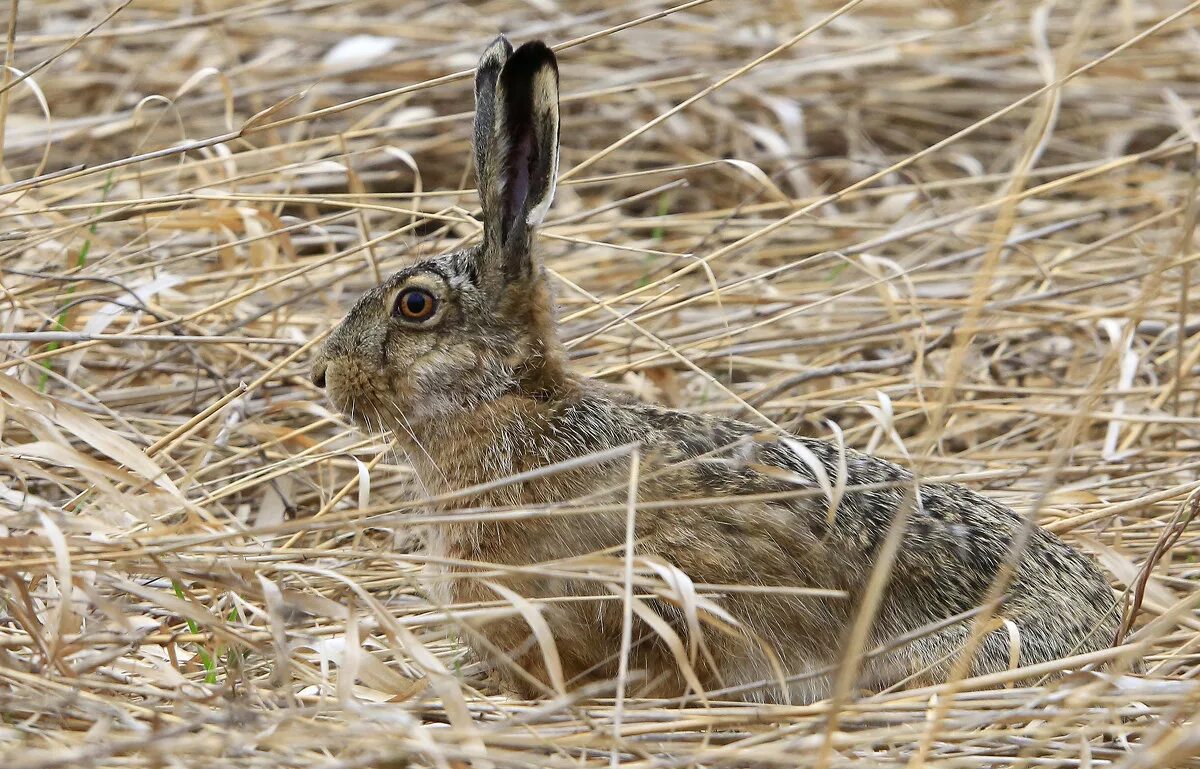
column 458, row 355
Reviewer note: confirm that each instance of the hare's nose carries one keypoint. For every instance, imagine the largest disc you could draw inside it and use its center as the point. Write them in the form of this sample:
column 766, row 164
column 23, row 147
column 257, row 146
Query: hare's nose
column 318, row 374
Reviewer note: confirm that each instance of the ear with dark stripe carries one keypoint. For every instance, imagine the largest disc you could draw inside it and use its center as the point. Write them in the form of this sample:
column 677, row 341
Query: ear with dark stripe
column 486, row 76
column 522, row 161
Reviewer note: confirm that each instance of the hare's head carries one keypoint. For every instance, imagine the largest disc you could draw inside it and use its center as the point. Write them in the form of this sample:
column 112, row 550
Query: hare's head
column 446, row 334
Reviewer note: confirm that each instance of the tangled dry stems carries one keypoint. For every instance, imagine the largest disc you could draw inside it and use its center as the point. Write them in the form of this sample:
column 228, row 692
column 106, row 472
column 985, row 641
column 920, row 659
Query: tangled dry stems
column 963, row 232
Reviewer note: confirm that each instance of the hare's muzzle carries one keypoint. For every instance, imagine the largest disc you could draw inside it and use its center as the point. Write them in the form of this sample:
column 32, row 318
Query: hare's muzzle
column 318, row 373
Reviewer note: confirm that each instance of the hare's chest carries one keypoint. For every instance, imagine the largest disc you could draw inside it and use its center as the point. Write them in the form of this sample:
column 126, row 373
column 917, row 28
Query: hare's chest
column 451, row 549
column 460, row 553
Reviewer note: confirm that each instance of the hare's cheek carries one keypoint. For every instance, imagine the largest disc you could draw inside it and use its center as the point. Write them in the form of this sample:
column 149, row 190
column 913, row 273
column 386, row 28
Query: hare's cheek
column 434, row 373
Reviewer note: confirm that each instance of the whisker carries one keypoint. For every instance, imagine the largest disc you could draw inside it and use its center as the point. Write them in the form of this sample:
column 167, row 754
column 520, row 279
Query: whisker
column 402, row 422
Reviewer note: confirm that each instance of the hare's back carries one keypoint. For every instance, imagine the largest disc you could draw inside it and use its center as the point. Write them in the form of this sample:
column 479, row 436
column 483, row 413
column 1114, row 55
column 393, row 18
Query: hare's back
column 955, row 540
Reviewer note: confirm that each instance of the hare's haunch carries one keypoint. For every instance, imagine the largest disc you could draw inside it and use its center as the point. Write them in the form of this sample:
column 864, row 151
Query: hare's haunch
column 458, row 355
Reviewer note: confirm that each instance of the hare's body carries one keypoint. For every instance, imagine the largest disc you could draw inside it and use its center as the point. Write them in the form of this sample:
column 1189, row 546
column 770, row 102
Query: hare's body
column 458, row 355
column 953, row 545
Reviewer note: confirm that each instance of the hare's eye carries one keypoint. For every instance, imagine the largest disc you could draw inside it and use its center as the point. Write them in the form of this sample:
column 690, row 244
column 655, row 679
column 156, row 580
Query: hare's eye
column 415, row 304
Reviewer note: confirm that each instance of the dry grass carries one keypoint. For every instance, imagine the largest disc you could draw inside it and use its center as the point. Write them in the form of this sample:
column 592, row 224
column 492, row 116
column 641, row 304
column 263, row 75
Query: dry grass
column 923, row 238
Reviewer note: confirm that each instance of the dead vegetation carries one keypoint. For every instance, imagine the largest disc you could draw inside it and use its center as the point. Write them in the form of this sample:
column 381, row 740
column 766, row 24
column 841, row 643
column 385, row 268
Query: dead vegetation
column 962, row 231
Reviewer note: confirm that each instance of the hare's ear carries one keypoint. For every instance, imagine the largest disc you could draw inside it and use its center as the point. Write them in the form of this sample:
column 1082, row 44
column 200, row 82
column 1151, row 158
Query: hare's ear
column 486, row 76
column 521, row 161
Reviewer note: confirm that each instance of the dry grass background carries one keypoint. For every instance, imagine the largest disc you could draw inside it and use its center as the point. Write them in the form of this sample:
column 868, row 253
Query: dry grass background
column 962, row 229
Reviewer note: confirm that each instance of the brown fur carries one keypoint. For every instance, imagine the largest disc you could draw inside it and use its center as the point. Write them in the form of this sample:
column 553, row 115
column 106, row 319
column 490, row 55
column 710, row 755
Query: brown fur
column 483, row 391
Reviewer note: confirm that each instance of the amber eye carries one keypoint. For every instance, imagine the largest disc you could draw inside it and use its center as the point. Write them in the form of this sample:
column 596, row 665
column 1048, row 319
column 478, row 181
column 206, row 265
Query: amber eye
column 415, row 304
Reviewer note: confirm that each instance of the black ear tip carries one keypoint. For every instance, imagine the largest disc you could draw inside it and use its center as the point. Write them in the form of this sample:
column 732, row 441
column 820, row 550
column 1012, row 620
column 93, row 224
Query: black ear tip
column 533, row 55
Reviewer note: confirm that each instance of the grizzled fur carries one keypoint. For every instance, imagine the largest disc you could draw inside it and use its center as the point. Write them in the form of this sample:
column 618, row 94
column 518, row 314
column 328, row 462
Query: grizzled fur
column 481, row 391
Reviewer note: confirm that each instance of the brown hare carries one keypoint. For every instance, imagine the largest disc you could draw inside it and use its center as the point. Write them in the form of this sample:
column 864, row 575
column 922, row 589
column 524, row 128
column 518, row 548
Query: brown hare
column 459, row 356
